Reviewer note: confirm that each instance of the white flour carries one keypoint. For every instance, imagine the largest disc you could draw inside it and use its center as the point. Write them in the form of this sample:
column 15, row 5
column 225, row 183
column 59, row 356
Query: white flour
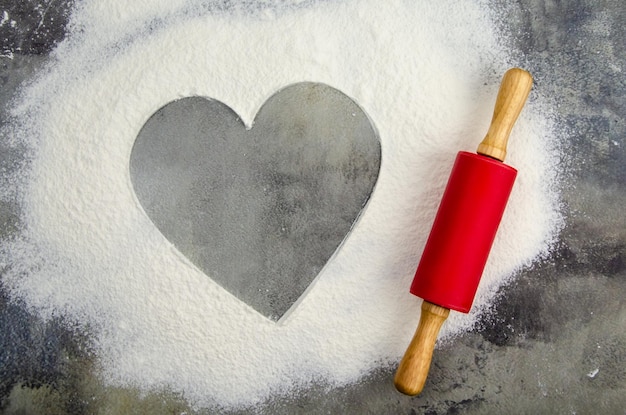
column 425, row 72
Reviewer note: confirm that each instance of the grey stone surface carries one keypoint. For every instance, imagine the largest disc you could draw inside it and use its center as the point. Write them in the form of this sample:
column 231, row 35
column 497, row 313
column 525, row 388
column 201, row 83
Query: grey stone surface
column 38, row 25
column 259, row 210
column 555, row 342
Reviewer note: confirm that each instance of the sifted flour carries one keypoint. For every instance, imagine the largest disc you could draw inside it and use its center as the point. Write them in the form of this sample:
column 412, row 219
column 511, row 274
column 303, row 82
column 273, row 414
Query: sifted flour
column 425, row 72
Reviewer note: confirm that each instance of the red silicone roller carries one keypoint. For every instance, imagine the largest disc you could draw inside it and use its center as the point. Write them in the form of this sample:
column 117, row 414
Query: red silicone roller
column 463, row 231
column 465, row 226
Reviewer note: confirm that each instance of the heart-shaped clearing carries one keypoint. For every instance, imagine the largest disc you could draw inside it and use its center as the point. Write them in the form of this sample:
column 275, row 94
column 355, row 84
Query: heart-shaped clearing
column 259, row 210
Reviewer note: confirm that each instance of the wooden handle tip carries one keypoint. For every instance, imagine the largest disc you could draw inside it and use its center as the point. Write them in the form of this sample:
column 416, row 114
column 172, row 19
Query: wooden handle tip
column 514, row 89
column 414, row 366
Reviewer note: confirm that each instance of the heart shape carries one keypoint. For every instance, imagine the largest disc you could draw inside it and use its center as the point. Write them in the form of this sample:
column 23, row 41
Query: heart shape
column 259, row 210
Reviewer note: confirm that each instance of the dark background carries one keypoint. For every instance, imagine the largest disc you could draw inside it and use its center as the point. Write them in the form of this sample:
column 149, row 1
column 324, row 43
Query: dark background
column 550, row 329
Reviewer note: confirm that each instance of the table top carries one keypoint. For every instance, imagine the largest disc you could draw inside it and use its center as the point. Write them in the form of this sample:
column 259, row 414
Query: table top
column 555, row 341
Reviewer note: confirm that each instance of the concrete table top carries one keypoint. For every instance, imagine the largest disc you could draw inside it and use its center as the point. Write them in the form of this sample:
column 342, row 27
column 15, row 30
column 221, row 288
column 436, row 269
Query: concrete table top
column 556, row 341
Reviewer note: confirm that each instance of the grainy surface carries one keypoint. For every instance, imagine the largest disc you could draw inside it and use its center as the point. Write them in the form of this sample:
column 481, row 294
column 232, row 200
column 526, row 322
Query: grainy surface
column 298, row 184
column 555, row 341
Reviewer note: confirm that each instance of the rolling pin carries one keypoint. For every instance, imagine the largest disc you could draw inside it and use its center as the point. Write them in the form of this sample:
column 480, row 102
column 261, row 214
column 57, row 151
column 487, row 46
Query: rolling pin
column 465, row 226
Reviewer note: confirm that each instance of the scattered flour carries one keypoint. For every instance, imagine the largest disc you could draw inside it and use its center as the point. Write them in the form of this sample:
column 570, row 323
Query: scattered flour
column 425, row 72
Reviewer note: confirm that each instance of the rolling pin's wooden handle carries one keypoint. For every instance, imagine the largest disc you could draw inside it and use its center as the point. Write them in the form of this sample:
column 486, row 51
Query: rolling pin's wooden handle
column 413, row 369
column 514, row 90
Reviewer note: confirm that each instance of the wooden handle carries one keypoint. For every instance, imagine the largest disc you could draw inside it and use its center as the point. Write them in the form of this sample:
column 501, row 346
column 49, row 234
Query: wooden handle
column 514, row 90
column 413, row 369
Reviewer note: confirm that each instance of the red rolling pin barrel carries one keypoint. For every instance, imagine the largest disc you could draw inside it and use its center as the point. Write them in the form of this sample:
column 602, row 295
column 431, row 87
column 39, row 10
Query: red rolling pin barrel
column 463, row 232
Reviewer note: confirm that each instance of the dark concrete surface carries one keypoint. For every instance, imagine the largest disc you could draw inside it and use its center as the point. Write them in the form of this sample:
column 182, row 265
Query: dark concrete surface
column 260, row 210
column 555, row 342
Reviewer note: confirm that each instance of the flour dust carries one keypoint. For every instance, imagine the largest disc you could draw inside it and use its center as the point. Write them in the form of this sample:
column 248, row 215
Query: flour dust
column 425, row 72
